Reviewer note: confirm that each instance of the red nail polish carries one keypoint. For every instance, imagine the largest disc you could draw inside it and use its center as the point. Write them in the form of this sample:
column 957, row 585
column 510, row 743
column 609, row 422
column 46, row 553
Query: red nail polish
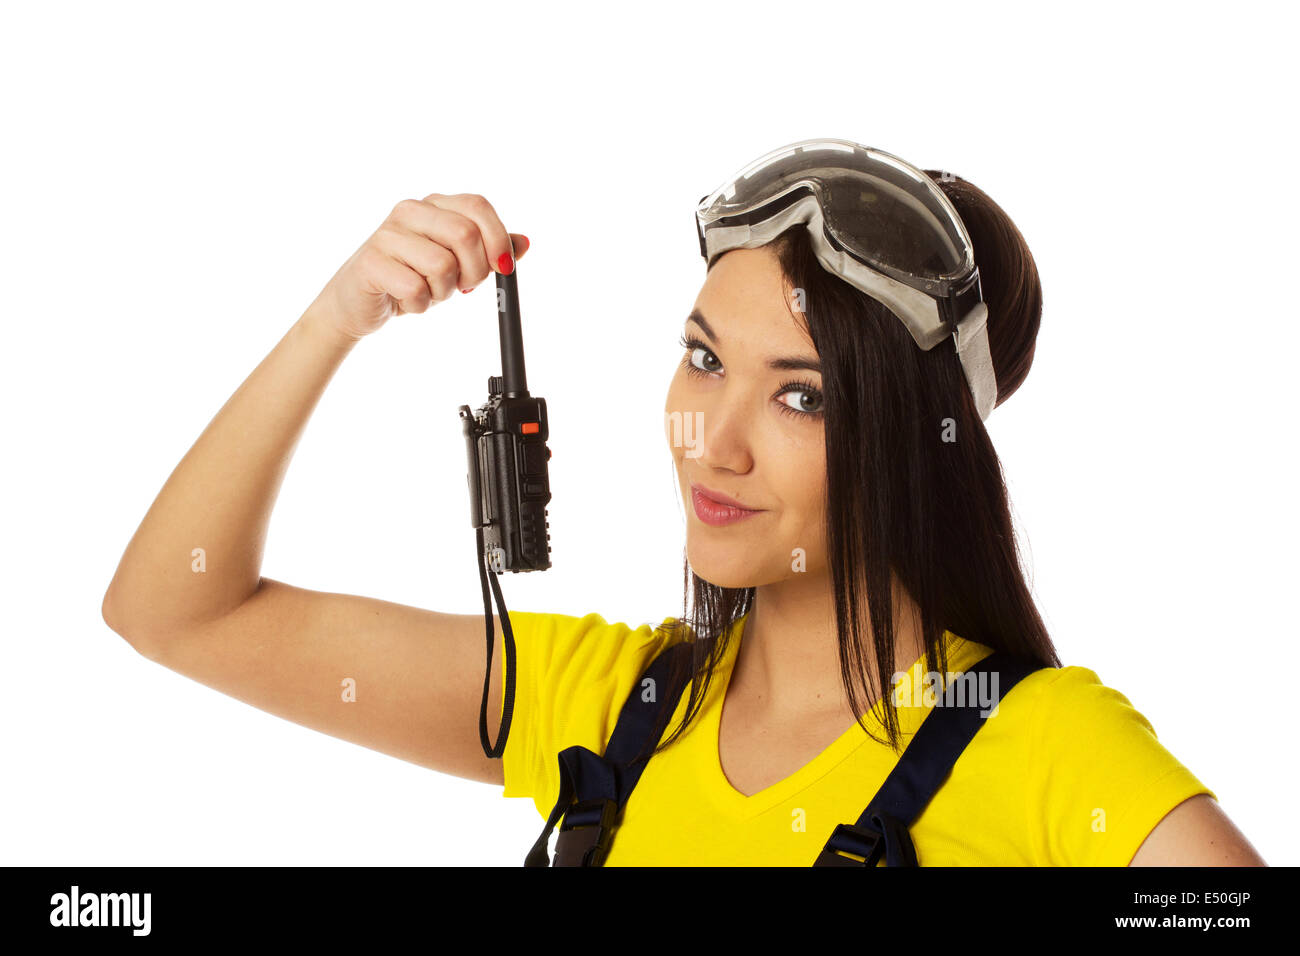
column 505, row 265
column 464, row 290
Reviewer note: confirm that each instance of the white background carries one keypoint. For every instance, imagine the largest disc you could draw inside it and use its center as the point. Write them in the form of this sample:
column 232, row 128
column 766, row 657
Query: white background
column 179, row 183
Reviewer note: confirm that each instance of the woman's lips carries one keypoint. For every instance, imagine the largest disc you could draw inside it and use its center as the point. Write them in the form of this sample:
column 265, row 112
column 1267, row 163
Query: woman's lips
column 716, row 513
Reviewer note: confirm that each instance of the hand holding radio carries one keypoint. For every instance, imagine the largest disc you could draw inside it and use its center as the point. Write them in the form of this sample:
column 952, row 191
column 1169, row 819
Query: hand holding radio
column 424, row 252
column 421, row 254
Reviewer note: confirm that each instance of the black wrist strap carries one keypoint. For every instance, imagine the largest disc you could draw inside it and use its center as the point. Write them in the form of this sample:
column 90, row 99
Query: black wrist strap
column 508, row 700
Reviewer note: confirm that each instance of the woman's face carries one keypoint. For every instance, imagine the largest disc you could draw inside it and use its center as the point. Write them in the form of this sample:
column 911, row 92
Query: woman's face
column 740, row 427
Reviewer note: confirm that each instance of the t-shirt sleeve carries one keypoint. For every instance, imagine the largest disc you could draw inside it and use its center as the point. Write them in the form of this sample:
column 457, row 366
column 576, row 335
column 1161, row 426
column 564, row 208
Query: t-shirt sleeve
column 1099, row 779
column 573, row 675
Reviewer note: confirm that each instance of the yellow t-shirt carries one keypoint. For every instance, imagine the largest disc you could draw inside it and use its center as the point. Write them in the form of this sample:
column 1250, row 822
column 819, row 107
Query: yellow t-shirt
column 1066, row 773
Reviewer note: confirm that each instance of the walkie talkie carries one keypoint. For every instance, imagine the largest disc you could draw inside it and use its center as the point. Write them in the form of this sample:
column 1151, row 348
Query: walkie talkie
column 509, row 489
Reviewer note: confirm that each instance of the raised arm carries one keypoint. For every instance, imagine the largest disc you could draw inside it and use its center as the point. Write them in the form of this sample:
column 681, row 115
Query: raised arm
column 188, row 591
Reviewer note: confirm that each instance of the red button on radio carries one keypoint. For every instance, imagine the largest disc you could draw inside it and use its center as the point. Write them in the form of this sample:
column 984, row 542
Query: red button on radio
column 528, row 428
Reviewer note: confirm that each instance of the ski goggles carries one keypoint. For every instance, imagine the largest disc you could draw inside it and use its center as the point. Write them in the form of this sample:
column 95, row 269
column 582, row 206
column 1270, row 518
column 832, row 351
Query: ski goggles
column 877, row 222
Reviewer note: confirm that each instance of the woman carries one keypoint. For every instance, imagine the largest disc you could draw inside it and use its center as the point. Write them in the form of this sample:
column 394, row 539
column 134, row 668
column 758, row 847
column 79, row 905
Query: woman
column 810, row 435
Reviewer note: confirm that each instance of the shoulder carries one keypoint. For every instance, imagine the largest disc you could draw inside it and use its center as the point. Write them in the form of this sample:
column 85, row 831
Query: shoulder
column 574, row 673
column 1097, row 778
column 1081, row 727
column 1071, row 705
column 567, row 647
column 1076, row 695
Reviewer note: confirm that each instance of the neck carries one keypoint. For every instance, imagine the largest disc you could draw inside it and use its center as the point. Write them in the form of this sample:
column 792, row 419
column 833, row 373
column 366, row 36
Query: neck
column 788, row 658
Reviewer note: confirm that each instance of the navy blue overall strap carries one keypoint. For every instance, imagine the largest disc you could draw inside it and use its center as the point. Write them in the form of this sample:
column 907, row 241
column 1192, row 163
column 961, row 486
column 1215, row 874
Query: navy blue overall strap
column 594, row 788
column 922, row 769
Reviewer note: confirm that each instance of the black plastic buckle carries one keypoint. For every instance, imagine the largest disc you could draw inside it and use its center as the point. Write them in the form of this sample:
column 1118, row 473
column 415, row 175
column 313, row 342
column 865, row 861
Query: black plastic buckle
column 586, row 844
column 848, row 843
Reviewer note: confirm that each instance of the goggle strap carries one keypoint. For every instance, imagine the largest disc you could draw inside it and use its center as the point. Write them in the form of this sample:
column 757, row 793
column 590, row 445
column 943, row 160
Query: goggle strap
column 972, row 341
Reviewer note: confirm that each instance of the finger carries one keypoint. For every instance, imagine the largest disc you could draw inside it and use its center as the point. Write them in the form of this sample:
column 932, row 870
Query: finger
column 447, row 228
column 439, row 266
column 394, row 278
column 496, row 241
column 521, row 244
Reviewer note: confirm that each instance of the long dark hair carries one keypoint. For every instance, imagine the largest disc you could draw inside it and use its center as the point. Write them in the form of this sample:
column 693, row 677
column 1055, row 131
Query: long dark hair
column 901, row 494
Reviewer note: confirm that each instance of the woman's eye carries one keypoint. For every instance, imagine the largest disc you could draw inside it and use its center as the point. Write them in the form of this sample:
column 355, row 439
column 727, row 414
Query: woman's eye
column 699, row 360
column 705, row 360
column 805, row 400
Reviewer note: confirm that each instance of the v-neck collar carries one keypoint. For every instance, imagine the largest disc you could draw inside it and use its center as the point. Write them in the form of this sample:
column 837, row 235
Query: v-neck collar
column 740, row 806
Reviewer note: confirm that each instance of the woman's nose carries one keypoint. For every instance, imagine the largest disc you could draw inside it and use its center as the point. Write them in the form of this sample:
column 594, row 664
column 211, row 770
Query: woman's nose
column 721, row 433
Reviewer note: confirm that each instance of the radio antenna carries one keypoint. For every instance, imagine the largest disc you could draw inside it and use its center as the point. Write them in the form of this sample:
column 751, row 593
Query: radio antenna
column 514, row 378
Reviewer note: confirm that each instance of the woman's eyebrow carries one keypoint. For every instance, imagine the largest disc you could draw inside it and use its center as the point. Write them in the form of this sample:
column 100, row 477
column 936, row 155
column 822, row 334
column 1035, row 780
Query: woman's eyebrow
column 789, row 363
